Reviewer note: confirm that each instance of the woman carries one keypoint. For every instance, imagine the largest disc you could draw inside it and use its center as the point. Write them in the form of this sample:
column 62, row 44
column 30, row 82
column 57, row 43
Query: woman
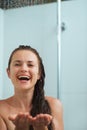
column 29, row 108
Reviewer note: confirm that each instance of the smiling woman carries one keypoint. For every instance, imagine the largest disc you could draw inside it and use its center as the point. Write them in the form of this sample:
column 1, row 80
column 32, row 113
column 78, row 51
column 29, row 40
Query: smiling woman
column 29, row 108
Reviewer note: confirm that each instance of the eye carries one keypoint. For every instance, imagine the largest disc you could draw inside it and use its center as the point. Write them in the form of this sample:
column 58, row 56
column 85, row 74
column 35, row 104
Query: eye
column 17, row 64
column 30, row 65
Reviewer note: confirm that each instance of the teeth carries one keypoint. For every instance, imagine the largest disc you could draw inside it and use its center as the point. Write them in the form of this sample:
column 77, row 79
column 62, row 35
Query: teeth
column 23, row 77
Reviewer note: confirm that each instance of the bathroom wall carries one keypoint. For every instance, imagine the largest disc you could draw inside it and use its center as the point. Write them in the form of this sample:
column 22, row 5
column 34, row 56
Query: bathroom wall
column 35, row 26
column 74, row 64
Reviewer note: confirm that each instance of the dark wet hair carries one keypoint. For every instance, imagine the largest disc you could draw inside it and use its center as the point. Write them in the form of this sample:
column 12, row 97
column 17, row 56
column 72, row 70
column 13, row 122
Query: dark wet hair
column 39, row 103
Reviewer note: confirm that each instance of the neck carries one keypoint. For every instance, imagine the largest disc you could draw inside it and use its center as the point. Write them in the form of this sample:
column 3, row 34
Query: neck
column 23, row 100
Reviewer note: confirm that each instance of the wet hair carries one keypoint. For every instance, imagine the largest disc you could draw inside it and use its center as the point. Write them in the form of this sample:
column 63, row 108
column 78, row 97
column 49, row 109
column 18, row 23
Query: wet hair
column 39, row 103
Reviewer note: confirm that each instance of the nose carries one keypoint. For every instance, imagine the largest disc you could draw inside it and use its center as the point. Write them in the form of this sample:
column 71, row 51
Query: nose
column 24, row 68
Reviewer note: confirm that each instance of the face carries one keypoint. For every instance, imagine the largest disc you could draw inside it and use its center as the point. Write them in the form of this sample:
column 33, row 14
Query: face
column 24, row 69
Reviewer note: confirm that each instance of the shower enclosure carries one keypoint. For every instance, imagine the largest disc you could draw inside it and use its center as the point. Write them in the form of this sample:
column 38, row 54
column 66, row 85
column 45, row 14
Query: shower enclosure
column 58, row 31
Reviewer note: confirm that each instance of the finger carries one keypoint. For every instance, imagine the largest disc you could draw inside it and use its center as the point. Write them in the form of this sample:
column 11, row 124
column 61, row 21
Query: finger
column 12, row 117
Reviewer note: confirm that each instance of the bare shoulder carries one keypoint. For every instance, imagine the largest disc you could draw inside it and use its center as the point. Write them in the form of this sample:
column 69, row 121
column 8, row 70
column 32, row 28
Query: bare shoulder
column 54, row 102
column 57, row 112
column 2, row 103
column 4, row 113
column 4, row 107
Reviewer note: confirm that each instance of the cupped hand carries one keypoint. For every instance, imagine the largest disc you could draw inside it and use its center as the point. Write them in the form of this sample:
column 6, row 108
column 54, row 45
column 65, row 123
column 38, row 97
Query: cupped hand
column 41, row 120
column 23, row 120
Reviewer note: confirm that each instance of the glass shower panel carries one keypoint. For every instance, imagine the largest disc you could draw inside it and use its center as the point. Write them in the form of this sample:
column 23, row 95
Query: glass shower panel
column 74, row 64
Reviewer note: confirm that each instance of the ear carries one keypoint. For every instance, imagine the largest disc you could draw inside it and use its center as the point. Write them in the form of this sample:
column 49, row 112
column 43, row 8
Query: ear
column 8, row 72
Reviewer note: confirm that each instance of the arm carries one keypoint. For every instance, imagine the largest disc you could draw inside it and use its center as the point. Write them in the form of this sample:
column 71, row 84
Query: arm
column 41, row 121
column 57, row 113
column 56, row 118
column 2, row 124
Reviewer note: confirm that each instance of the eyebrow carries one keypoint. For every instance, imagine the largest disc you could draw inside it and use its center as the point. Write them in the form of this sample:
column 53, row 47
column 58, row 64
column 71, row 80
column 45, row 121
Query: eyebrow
column 21, row 61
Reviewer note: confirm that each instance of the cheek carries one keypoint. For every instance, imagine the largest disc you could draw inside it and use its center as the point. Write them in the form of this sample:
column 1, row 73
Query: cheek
column 11, row 73
column 36, row 73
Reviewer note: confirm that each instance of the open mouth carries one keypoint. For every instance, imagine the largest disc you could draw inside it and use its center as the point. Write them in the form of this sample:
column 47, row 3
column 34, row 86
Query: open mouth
column 23, row 78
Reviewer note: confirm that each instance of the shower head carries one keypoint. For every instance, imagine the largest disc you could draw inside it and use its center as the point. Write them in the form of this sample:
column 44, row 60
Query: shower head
column 9, row 4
